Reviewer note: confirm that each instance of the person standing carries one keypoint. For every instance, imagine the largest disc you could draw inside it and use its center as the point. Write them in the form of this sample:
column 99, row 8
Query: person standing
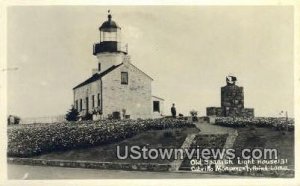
column 173, row 111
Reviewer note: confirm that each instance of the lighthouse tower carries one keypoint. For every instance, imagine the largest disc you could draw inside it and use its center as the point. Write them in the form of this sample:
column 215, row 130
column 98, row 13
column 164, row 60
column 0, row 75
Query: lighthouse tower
column 109, row 50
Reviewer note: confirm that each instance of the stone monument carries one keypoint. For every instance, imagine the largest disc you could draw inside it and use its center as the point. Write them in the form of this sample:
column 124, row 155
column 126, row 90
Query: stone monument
column 232, row 101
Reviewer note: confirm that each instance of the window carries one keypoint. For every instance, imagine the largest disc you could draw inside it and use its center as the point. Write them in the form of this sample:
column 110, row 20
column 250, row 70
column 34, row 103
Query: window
column 76, row 104
column 124, row 78
column 93, row 101
column 98, row 100
column 156, row 106
column 108, row 36
column 87, row 104
column 80, row 105
column 99, row 67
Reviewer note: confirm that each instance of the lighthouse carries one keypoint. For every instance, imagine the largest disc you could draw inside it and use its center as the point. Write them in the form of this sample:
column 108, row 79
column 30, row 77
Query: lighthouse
column 117, row 89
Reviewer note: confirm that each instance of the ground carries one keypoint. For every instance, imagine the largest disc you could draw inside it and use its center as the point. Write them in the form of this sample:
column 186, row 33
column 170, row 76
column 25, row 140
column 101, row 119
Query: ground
column 252, row 137
column 248, row 137
column 25, row 172
column 170, row 138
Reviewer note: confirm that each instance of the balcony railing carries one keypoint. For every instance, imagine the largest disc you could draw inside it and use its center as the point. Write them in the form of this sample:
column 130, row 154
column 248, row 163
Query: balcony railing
column 109, row 46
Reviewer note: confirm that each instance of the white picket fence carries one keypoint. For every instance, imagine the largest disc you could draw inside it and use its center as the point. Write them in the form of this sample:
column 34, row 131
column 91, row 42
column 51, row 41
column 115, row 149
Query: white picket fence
column 44, row 119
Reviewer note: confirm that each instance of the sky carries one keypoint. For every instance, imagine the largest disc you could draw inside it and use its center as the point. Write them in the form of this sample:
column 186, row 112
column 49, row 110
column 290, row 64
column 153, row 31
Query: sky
column 187, row 50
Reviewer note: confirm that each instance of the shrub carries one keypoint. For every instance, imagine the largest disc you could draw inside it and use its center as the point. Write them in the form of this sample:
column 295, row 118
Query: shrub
column 34, row 139
column 277, row 123
column 87, row 116
column 13, row 120
column 168, row 134
column 194, row 114
column 116, row 115
column 72, row 115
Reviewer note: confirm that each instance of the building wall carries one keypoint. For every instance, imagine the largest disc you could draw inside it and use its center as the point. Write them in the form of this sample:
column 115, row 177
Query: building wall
column 161, row 107
column 88, row 90
column 247, row 112
column 108, row 59
column 232, row 102
column 135, row 97
column 232, row 112
column 214, row 111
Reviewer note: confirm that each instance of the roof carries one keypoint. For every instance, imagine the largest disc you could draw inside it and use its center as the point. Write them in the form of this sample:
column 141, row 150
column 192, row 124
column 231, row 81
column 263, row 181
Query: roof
column 141, row 71
column 109, row 24
column 158, row 98
column 97, row 76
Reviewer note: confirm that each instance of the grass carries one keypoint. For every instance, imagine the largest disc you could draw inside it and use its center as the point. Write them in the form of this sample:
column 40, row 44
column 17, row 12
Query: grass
column 169, row 138
column 204, row 141
column 253, row 137
column 248, row 137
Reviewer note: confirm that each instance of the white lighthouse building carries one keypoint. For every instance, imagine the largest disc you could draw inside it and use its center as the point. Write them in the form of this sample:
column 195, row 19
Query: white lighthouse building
column 117, row 88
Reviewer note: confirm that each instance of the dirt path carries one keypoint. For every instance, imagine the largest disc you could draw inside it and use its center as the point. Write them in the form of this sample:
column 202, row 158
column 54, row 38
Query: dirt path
column 206, row 128
column 186, row 145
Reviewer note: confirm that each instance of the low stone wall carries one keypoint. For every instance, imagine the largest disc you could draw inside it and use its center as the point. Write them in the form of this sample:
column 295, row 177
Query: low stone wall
column 214, row 111
column 231, row 112
column 247, row 112
column 92, row 164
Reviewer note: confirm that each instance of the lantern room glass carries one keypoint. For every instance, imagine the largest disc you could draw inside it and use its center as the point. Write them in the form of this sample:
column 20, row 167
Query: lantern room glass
column 110, row 35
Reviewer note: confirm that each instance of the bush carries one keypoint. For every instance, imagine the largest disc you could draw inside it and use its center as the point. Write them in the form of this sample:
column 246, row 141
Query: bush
column 35, row 139
column 72, row 115
column 168, row 134
column 87, row 116
column 194, row 114
column 116, row 115
column 278, row 123
column 13, row 120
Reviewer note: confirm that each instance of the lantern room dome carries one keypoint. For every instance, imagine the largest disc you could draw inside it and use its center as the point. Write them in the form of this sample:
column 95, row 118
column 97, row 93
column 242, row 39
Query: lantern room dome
column 109, row 24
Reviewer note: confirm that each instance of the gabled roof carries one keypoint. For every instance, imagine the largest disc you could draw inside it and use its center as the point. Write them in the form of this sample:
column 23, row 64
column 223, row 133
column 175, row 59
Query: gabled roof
column 97, row 76
column 158, row 98
column 141, row 71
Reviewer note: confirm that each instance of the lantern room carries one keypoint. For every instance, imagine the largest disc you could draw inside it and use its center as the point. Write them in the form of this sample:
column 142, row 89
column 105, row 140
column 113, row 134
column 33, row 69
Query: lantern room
column 110, row 37
column 110, row 31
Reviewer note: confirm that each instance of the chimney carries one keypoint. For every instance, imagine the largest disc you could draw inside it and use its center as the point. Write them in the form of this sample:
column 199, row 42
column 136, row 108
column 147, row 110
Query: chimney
column 94, row 71
column 126, row 60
